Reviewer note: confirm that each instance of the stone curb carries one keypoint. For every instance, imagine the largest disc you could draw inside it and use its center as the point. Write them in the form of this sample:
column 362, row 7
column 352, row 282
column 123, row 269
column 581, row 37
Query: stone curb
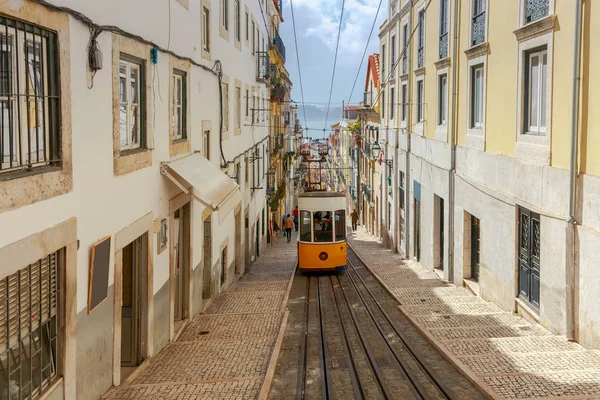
column 467, row 372
column 266, row 386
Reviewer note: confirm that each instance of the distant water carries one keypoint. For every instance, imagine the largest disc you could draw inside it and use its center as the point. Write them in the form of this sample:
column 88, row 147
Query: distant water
column 315, row 126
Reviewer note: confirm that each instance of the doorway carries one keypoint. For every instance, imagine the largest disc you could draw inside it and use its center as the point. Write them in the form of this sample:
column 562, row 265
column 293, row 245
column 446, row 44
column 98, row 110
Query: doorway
column 247, row 239
column 207, row 257
column 257, row 235
column 132, row 306
column 223, row 268
column 181, row 239
column 529, row 256
column 239, row 265
column 475, row 247
column 439, row 225
column 417, row 230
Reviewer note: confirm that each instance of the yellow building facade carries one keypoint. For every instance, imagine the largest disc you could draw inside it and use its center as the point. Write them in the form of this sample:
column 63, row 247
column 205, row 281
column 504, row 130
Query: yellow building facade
column 496, row 160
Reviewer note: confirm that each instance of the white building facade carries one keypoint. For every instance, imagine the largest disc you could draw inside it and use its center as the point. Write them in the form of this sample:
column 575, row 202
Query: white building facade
column 140, row 134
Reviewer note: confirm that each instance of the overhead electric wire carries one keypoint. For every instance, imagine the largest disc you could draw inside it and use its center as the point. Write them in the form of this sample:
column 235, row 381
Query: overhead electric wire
column 337, row 45
column 365, row 52
column 298, row 61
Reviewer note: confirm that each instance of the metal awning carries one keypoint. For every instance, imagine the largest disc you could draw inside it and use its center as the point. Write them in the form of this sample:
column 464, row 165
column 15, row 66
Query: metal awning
column 206, row 183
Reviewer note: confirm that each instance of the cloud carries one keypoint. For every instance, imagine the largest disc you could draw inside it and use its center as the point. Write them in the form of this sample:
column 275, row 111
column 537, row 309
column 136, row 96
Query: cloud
column 356, row 24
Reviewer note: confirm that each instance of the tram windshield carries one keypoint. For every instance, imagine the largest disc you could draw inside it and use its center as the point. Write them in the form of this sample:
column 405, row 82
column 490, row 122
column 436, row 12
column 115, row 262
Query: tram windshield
column 323, row 226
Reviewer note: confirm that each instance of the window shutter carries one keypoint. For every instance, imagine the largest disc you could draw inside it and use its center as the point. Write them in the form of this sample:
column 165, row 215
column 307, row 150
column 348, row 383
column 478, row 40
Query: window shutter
column 13, row 309
column 3, row 315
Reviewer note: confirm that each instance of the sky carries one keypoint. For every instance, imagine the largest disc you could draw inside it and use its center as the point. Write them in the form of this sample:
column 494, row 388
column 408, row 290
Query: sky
column 317, row 24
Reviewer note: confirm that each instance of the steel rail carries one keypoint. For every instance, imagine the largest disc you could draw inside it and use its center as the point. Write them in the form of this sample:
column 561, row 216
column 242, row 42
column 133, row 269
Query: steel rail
column 446, row 392
column 303, row 360
column 326, row 388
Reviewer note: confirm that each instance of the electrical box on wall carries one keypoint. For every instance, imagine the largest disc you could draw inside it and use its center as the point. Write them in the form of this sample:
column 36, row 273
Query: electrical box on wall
column 95, row 59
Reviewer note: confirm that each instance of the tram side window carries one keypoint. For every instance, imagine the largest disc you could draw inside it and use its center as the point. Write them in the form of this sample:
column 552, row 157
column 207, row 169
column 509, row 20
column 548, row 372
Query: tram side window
column 340, row 225
column 323, row 226
column 305, row 224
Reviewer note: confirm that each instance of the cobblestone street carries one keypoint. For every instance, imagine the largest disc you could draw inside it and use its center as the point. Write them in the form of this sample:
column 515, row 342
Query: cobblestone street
column 507, row 356
column 225, row 352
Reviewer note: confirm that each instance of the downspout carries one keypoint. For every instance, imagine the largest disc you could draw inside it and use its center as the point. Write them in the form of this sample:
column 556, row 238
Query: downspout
column 219, row 71
column 453, row 130
column 571, row 268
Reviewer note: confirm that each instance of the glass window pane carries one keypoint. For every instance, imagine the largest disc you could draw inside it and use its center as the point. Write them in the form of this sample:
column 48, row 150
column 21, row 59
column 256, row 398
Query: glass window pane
column 135, row 126
column 134, row 85
column 123, row 124
column 534, row 91
column 542, row 105
column 340, row 225
column 123, row 83
column 305, row 226
column 322, row 226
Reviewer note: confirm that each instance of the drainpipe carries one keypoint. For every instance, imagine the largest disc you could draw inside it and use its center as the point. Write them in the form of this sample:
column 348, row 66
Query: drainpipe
column 572, row 270
column 453, row 129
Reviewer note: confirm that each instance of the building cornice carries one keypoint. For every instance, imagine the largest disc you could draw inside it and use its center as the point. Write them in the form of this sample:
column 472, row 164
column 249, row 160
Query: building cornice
column 443, row 63
column 477, row 51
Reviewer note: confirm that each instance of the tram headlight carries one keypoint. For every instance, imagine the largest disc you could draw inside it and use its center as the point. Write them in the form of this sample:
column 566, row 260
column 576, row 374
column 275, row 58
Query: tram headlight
column 323, row 256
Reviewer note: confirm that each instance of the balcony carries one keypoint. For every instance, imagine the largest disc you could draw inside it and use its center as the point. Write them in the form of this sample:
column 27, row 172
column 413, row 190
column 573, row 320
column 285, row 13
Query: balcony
column 368, row 99
column 443, row 46
column 278, row 43
column 404, row 64
column 263, row 65
column 478, row 35
column 420, row 57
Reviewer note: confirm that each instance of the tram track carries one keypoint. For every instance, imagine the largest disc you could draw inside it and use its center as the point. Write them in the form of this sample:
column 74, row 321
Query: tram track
column 355, row 344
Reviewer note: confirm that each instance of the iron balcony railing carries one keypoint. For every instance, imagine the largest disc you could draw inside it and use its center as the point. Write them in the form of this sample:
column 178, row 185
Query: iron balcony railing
column 263, row 65
column 368, row 99
column 478, row 36
column 404, row 64
column 536, row 9
column 278, row 43
column 443, row 46
column 420, row 57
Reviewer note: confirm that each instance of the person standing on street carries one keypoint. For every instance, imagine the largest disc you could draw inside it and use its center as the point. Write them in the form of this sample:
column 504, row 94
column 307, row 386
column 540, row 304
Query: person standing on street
column 289, row 225
column 295, row 213
column 283, row 218
column 354, row 217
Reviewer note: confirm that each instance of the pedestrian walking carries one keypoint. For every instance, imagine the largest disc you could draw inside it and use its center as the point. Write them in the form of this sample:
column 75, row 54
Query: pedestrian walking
column 295, row 213
column 283, row 218
column 289, row 225
column 354, row 217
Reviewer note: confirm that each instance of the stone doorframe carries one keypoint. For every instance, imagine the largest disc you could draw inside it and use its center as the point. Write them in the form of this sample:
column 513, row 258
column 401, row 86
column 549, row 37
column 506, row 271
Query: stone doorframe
column 123, row 238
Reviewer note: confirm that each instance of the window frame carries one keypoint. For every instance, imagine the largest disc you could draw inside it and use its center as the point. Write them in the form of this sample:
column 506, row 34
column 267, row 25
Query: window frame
column 421, row 39
column 420, row 101
column 128, row 62
column 225, row 106
column 473, row 16
column 404, row 107
column 206, row 143
column 225, row 14
column 476, row 119
column 237, row 20
column 206, row 29
column 542, row 93
column 238, row 108
column 442, row 108
column 182, row 77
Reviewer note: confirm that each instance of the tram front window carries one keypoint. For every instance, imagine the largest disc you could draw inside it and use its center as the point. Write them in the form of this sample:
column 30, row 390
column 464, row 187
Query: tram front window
column 323, row 226
column 340, row 225
column 305, row 225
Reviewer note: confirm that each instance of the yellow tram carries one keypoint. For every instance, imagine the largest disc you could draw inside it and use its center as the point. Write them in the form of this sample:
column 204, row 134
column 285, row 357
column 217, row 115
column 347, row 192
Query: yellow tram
column 322, row 225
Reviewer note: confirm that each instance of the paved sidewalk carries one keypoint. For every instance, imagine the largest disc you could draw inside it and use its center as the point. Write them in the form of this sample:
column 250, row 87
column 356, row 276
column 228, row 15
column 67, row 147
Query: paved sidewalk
column 506, row 355
column 225, row 352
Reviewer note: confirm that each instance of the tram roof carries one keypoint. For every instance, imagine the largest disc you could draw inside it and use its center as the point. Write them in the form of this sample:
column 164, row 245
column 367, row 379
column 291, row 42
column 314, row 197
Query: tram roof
column 321, row 194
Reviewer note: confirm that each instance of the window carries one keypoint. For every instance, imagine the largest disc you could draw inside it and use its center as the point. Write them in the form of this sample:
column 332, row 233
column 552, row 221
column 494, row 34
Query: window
column 246, row 169
column 205, row 29
column 247, row 30
column 206, row 145
column 179, row 105
column 404, row 101
column 225, row 106
column 223, row 266
column 131, row 126
column 420, row 99
column 340, row 225
column 536, row 92
column 442, row 99
column 253, row 38
column 254, row 119
column 247, row 101
column 421, row 40
column 238, row 30
column 383, row 62
column 30, row 326
column 29, row 97
column 305, row 226
column 238, row 107
column 477, row 97
column 401, row 197
column 443, row 29
column 404, row 48
column 162, row 236
column 382, row 103
column 478, row 22
column 322, row 226
column 225, row 14
column 393, row 50
column 392, row 106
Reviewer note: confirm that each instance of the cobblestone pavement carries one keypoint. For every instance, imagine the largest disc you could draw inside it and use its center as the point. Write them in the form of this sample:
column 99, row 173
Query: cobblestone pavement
column 503, row 353
column 225, row 352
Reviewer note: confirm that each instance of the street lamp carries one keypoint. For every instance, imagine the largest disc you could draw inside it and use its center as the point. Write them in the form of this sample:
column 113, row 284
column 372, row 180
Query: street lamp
column 375, row 150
